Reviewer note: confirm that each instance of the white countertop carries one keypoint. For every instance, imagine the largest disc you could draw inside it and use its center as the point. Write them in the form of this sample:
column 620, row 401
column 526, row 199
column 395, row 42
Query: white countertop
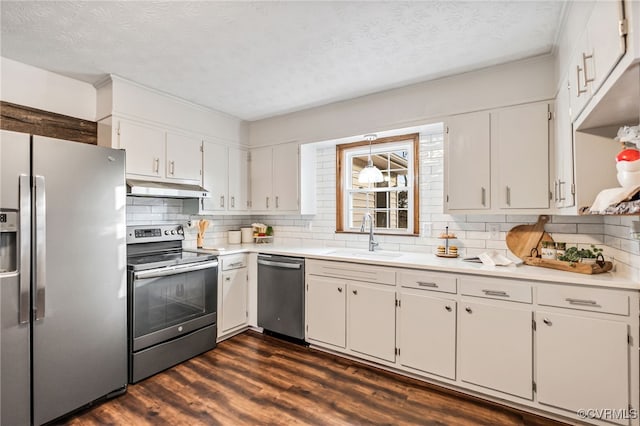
column 434, row 263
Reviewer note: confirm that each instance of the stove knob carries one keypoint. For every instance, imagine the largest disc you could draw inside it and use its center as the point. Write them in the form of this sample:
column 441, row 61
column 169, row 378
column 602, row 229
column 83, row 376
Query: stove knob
column 173, row 232
column 180, row 231
column 166, row 232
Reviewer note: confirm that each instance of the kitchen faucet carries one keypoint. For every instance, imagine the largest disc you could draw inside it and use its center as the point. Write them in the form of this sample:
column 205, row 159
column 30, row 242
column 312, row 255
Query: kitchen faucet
column 372, row 243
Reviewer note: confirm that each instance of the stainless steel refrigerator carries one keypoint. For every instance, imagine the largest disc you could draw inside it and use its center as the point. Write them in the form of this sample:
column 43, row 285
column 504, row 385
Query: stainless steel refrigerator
column 63, row 289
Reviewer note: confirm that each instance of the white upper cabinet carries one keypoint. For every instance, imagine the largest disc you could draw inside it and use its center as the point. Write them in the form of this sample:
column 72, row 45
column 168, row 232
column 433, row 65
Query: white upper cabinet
column 225, row 176
column 215, row 174
column 520, row 153
column 498, row 160
column 563, row 184
column 467, row 162
column 596, row 52
column 283, row 179
column 155, row 153
column 261, row 172
column 238, row 179
column 184, row 157
column 145, row 148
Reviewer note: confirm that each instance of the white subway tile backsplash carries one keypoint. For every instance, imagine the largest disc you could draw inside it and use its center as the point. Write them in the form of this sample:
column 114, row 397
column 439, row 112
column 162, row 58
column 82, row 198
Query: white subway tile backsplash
column 612, row 233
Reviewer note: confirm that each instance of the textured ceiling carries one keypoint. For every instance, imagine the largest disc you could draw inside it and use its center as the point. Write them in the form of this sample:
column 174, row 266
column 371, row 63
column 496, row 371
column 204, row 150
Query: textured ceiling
column 259, row 59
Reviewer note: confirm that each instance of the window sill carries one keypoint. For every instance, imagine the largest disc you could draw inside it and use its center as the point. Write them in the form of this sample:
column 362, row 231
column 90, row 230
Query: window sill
column 394, row 234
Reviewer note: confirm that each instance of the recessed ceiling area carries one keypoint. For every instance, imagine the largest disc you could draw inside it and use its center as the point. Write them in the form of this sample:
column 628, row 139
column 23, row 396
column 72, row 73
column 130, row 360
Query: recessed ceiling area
column 255, row 60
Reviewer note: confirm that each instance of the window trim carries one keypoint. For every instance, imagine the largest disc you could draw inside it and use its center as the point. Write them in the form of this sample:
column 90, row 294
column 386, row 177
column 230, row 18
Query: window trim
column 340, row 190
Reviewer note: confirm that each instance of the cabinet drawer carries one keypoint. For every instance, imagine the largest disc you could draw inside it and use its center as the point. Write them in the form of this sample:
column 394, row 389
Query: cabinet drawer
column 584, row 299
column 426, row 280
column 352, row 271
column 233, row 261
column 513, row 291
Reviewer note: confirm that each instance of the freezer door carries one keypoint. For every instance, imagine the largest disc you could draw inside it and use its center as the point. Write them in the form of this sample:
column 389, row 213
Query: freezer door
column 15, row 280
column 79, row 331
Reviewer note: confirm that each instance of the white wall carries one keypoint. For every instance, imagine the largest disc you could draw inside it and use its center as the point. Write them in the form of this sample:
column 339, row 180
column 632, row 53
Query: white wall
column 509, row 84
column 37, row 88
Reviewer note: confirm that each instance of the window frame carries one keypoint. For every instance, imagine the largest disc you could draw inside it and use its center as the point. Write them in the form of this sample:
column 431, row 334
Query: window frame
column 341, row 192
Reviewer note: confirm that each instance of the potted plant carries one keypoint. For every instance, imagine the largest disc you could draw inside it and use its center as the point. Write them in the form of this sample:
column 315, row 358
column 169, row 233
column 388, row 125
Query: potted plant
column 587, row 255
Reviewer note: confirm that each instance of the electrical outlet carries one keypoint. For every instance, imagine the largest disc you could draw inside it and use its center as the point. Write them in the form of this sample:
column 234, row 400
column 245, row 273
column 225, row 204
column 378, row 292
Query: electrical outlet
column 427, row 228
column 309, row 225
column 494, row 231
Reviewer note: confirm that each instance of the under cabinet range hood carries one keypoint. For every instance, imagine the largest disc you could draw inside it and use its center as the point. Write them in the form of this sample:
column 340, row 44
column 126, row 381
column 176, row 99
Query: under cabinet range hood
column 143, row 188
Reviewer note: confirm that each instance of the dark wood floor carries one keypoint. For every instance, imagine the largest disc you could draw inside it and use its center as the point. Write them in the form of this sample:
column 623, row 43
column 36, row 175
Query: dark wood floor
column 253, row 379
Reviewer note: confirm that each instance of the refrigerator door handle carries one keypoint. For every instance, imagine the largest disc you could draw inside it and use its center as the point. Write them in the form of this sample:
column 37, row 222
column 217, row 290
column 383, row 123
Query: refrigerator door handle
column 41, row 259
column 24, row 182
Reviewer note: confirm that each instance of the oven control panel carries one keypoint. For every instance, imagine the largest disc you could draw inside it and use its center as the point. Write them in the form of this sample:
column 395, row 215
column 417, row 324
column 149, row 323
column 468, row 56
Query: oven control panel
column 154, row 233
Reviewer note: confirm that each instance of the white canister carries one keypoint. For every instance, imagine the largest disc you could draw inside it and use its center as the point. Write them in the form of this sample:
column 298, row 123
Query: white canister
column 247, row 235
column 234, row 237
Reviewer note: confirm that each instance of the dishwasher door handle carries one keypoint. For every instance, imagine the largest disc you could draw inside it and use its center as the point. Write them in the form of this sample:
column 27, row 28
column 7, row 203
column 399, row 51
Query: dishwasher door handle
column 279, row 264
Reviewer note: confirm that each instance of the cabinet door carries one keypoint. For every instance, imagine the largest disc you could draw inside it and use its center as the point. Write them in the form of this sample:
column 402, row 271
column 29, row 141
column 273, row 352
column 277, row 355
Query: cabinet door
column 371, row 324
column 326, row 310
column 261, row 168
column 581, row 362
column 285, row 177
column 215, row 176
column 520, row 147
column 234, row 299
column 238, row 178
column 563, row 148
column 467, row 162
column 606, row 44
column 145, row 148
column 496, row 347
column 184, row 157
column 428, row 334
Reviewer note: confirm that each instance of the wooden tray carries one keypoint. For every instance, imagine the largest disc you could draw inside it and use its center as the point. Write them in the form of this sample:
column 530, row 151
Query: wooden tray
column 582, row 268
column 446, row 255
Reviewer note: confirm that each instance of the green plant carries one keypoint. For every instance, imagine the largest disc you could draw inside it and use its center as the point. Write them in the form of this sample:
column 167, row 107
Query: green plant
column 573, row 254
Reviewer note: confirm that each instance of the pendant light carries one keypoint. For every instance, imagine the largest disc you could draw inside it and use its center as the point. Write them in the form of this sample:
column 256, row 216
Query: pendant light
column 370, row 174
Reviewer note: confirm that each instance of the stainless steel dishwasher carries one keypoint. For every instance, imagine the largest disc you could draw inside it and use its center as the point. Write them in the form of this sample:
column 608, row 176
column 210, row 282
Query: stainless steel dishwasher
column 281, row 295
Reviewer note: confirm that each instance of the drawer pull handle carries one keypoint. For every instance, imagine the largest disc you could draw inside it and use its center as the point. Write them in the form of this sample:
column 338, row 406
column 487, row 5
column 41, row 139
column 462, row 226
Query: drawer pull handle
column 468, row 309
column 427, row 284
column 546, row 321
column 355, row 292
column 448, row 308
column 495, row 293
column 582, row 302
column 339, row 289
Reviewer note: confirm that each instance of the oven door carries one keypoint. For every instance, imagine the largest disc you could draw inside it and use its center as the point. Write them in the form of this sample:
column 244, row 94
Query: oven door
column 172, row 301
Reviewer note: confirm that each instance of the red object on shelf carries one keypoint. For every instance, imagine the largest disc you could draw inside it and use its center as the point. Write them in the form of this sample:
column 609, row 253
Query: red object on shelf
column 628, row 155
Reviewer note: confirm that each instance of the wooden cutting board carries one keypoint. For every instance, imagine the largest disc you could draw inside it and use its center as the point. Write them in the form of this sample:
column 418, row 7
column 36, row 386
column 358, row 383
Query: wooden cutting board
column 522, row 239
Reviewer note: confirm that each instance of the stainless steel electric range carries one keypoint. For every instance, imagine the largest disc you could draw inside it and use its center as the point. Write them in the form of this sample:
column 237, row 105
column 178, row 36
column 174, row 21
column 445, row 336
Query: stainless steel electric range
column 172, row 299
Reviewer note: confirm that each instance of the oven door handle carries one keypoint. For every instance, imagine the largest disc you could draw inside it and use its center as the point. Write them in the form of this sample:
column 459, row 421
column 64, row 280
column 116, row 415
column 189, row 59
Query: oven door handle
column 174, row 270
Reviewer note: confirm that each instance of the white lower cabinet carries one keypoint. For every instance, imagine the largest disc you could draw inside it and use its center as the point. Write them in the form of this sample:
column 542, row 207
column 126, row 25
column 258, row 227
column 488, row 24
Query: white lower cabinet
column 555, row 348
column 427, row 333
column 371, row 323
column 496, row 346
column 582, row 362
column 327, row 310
column 233, row 294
